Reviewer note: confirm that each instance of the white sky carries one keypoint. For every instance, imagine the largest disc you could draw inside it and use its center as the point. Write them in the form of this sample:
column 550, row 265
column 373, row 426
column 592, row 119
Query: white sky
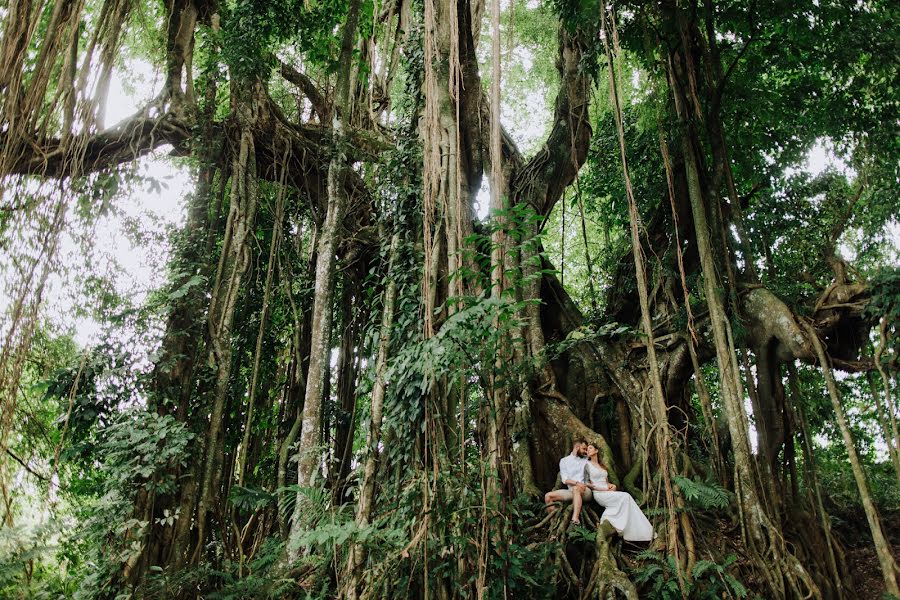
column 139, row 268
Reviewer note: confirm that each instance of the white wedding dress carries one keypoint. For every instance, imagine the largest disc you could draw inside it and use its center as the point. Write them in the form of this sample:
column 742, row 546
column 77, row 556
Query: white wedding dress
column 621, row 510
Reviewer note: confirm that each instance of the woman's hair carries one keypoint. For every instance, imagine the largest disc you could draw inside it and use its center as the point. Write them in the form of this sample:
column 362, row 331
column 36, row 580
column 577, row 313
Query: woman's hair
column 599, row 460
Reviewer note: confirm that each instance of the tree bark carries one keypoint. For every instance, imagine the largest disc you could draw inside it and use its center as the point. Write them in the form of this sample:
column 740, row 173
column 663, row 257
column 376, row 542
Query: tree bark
column 308, row 454
column 263, row 319
column 813, row 479
column 882, row 547
column 233, row 264
column 893, row 441
column 366, row 502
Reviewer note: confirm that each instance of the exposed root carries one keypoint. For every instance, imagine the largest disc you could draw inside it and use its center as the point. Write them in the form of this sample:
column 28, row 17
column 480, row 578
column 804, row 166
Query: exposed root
column 554, row 510
column 606, row 577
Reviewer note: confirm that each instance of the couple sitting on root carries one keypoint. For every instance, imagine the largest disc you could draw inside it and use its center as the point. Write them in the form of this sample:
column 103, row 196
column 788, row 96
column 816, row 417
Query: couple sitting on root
column 585, row 478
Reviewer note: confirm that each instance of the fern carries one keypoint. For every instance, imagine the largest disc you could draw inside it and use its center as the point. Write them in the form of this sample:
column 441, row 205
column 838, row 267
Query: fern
column 658, row 578
column 648, row 555
column 583, row 534
column 739, row 590
column 705, row 495
column 251, row 499
column 716, row 574
column 314, row 502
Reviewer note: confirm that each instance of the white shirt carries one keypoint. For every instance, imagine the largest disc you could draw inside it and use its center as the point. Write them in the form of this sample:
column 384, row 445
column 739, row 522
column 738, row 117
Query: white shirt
column 572, row 467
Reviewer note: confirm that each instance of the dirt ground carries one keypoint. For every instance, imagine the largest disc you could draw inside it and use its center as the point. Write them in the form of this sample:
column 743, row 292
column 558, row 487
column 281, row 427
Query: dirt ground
column 862, row 561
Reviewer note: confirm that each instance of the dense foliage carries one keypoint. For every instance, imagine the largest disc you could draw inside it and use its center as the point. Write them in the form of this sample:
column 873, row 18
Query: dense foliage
column 398, row 288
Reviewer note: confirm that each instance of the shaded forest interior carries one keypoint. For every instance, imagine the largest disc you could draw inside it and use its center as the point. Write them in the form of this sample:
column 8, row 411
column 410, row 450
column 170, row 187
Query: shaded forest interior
column 427, row 245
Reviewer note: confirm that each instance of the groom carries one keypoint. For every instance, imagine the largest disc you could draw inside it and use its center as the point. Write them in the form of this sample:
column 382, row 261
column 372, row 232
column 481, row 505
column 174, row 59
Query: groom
column 571, row 473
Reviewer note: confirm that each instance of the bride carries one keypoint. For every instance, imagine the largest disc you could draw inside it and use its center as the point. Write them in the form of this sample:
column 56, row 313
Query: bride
column 621, row 510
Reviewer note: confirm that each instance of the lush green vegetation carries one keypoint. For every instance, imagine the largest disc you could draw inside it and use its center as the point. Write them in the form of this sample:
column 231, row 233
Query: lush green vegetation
column 351, row 368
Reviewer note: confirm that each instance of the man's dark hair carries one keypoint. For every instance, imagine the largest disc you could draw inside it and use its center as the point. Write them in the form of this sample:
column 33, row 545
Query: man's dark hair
column 579, row 440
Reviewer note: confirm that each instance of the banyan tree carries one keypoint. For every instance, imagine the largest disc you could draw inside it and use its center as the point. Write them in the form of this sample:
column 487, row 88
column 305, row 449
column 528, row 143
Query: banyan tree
column 428, row 245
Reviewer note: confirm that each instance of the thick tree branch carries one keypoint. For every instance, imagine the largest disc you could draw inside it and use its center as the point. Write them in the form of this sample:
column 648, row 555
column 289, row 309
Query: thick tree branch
column 139, row 135
column 840, row 324
column 512, row 157
column 131, row 139
column 320, row 104
column 544, row 178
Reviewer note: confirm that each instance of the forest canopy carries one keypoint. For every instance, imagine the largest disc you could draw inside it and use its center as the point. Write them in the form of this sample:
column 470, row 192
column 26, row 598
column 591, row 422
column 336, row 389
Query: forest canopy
column 308, row 298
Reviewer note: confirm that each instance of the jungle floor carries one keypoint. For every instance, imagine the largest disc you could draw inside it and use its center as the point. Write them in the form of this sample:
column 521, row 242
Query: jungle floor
column 852, row 531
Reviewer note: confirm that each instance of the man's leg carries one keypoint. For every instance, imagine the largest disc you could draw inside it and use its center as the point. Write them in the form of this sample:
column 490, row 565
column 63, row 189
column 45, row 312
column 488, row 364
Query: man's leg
column 577, row 501
column 556, row 496
column 550, row 498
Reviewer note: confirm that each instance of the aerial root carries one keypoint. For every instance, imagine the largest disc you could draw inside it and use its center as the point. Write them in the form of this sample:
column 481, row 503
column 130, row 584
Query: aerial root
column 784, row 573
column 797, row 575
column 606, row 577
column 587, row 516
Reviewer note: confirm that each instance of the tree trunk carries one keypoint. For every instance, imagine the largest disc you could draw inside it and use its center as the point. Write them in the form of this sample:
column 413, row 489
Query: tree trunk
column 353, row 313
column 764, row 536
column 813, row 479
column 233, row 264
column 882, row 547
column 309, row 455
column 366, row 502
column 263, row 319
column 893, row 440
